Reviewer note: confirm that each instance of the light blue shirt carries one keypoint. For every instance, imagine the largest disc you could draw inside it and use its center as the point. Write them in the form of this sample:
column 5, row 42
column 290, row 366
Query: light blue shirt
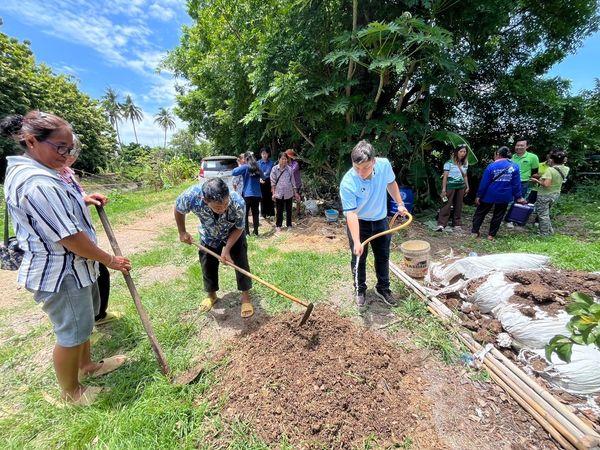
column 368, row 198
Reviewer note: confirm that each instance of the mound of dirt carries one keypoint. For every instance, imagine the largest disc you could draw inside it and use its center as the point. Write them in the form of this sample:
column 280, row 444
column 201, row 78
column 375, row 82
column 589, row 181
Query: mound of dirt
column 329, row 384
column 549, row 290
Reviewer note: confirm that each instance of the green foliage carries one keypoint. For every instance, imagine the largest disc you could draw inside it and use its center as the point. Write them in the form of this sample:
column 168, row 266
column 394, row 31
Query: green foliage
column 25, row 85
column 185, row 143
column 319, row 76
column 584, row 327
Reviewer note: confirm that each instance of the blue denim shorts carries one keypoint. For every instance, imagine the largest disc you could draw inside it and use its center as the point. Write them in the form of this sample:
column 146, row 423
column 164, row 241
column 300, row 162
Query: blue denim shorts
column 71, row 311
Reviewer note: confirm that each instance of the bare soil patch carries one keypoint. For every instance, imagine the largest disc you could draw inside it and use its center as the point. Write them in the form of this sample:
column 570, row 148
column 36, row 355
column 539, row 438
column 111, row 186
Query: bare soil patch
column 549, row 290
column 333, row 384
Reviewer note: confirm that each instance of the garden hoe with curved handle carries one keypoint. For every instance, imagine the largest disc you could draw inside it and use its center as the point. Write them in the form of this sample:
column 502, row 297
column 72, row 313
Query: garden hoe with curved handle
column 309, row 306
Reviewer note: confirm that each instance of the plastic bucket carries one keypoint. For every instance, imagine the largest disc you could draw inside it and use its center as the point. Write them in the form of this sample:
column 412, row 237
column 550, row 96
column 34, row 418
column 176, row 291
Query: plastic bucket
column 416, row 258
column 331, row 215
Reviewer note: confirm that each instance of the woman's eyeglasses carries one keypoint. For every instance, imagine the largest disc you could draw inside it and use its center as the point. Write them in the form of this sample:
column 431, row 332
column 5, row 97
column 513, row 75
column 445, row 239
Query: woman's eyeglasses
column 64, row 150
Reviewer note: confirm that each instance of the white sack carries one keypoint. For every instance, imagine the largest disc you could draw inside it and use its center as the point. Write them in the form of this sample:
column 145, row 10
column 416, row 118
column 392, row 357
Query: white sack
column 580, row 376
column 477, row 266
column 494, row 292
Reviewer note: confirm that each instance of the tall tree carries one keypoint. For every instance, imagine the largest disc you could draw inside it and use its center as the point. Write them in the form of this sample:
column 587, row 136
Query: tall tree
column 132, row 112
column 112, row 108
column 26, row 85
column 166, row 121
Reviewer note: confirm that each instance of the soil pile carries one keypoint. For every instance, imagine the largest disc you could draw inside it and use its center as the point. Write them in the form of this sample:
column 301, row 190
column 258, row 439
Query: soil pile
column 549, row 290
column 329, row 384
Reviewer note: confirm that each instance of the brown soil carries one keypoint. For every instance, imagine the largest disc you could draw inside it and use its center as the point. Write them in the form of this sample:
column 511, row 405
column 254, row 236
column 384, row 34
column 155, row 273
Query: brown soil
column 549, row 290
column 315, row 234
column 333, row 383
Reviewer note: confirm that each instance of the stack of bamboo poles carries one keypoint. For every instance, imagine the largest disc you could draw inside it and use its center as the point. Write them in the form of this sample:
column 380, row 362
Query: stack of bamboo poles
column 558, row 420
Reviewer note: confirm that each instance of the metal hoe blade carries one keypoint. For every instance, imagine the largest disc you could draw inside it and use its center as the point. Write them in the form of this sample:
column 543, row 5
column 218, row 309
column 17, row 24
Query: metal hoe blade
column 306, row 315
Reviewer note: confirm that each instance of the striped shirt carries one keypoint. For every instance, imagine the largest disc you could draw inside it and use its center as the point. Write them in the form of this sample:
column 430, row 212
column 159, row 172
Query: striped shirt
column 283, row 182
column 45, row 210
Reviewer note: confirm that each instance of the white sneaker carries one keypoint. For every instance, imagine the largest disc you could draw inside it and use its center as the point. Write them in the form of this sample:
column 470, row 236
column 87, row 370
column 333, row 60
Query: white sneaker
column 510, row 225
column 439, row 228
column 277, row 229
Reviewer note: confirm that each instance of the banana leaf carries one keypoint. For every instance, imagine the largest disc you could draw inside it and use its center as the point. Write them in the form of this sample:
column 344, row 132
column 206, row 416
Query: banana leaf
column 455, row 139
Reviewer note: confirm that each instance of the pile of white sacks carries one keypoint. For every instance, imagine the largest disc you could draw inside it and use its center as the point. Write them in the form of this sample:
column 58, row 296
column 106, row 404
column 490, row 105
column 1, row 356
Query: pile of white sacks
column 580, row 376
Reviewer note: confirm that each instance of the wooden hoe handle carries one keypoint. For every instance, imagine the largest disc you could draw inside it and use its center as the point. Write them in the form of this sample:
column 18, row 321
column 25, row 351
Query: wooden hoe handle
column 160, row 356
column 254, row 277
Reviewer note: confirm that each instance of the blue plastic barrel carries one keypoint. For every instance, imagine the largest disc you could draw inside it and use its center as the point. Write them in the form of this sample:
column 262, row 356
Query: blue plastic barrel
column 408, row 198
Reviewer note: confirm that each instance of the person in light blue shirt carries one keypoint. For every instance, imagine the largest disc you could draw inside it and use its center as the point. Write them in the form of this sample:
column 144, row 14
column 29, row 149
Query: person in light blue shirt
column 250, row 173
column 363, row 191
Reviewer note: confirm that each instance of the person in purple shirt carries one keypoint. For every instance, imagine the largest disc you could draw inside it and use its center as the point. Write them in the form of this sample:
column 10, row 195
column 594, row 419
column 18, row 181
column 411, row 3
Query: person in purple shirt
column 500, row 185
column 295, row 166
column 267, row 208
column 250, row 173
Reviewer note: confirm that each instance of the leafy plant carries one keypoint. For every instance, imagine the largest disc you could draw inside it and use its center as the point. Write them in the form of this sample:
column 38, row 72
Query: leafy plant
column 584, row 327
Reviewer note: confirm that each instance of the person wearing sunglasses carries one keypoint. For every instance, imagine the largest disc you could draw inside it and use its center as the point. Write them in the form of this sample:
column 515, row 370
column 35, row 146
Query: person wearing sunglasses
column 55, row 231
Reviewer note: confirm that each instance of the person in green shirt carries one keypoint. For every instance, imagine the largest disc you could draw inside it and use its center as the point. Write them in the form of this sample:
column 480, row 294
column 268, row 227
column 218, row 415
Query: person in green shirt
column 549, row 186
column 528, row 164
column 533, row 191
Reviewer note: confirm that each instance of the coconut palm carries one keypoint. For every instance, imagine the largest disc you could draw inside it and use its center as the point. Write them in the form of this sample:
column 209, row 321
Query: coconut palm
column 112, row 108
column 132, row 112
column 165, row 120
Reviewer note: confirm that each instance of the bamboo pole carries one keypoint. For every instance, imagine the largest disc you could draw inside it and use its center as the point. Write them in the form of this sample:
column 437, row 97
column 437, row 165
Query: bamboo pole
column 553, row 415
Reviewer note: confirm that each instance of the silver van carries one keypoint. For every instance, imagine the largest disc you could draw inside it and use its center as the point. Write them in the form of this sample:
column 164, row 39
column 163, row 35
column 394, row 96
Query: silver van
column 217, row 166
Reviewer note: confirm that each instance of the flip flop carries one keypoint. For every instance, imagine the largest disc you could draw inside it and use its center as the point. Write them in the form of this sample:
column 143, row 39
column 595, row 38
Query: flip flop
column 207, row 304
column 247, row 310
column 88, row 397
column 108, row 365
column 109, row 318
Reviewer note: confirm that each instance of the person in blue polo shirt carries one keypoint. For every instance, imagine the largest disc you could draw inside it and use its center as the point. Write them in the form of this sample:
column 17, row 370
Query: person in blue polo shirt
column 363, row 192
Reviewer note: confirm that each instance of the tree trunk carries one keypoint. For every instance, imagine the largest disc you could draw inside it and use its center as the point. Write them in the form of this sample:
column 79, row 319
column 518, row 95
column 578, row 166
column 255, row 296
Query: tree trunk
column 165, row 146
column 351, row 66
column 134, row 132
column 377, row 96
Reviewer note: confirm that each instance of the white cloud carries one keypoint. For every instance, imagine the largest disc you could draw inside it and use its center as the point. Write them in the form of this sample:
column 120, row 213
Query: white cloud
column 120, row 32
column 148, row 132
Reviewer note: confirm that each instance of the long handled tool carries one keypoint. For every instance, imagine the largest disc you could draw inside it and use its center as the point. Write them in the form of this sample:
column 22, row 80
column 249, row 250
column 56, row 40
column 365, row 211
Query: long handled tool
column 309, row 306
column 160, row 356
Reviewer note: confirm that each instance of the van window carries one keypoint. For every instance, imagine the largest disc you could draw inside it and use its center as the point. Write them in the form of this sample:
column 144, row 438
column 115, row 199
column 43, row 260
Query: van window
column 219, row 165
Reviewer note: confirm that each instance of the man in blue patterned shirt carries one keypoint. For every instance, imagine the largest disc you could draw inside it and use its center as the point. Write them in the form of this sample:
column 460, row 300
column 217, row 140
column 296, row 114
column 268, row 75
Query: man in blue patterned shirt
column 222, row 215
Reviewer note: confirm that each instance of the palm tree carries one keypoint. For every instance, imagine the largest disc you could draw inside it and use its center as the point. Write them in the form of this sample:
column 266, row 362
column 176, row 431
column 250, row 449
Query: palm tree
column 132, row 112
column 165, row 120
column 112, row 108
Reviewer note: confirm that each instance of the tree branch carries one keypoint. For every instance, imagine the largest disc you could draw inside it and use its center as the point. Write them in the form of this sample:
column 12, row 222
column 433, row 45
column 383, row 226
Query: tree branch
column 306, row 138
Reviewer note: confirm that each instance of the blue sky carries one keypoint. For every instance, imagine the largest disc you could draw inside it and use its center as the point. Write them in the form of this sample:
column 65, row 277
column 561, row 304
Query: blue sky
column 120, row 43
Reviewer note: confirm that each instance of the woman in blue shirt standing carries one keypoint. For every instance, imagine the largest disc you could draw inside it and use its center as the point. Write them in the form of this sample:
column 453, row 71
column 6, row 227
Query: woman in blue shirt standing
column 251, row 190
column 265, row 164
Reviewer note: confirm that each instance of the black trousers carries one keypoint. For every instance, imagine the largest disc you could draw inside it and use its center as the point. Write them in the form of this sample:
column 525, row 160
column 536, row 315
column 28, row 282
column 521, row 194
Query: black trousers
column 267, row 207
column 381, row 252
column 210, row 265
column 104, row 287
column 252, row 204
column 482, row 210
column 279, row 205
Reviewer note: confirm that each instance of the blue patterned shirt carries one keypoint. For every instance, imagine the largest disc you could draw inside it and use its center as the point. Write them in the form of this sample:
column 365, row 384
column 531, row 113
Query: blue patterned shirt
column 214, row 231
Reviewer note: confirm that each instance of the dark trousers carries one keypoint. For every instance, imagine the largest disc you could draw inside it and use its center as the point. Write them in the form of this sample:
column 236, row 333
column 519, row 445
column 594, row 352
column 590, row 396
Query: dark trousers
column 252, row 204
column 267, row 208
column 279, row 205
column 381, row 253
column 210, row 265
column 104, row 288
column 455, row 199
column 482, row 210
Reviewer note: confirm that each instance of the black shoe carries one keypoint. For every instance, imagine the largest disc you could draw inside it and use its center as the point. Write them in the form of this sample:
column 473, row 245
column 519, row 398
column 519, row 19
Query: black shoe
column 386, row 297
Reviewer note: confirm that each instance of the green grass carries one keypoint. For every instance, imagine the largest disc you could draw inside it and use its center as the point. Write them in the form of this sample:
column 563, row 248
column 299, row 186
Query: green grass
column 428, row 332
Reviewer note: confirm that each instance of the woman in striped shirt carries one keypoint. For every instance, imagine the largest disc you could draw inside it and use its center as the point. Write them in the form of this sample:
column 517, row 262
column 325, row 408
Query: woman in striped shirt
column 54, row 229
column 283, row 188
